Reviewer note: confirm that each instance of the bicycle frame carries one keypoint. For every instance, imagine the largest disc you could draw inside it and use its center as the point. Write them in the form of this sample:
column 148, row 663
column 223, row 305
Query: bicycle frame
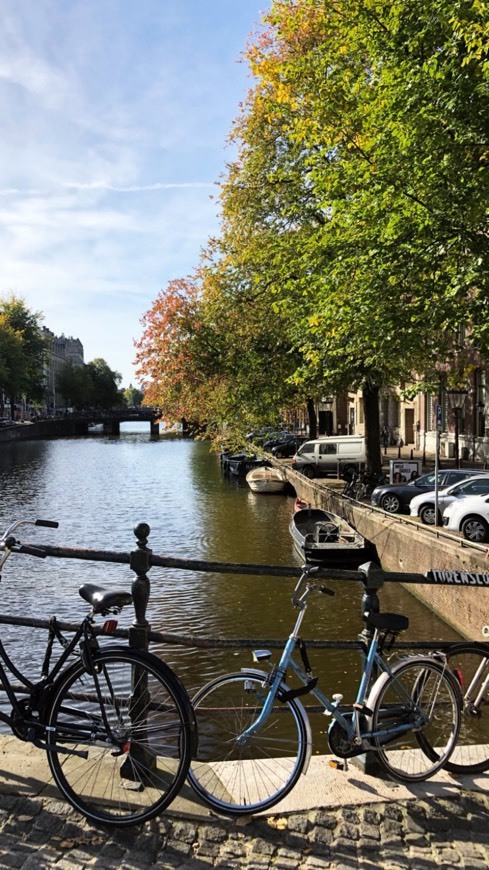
column 37, row 693
column 351, row 723
column 478, row 687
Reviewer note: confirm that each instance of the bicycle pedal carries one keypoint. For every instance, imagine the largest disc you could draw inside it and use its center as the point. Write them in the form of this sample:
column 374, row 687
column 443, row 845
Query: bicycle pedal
column 338, row 765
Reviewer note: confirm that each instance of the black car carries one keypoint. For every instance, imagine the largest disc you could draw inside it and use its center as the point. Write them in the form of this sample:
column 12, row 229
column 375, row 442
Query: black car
column 288, row 447
column 396, row 497
column 277, row 439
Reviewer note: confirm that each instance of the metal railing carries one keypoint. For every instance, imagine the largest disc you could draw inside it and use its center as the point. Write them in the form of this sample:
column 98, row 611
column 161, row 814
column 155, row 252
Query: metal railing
column 142, row 559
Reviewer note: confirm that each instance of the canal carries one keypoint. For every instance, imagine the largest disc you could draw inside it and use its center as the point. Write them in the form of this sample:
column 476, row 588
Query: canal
column 99, row 488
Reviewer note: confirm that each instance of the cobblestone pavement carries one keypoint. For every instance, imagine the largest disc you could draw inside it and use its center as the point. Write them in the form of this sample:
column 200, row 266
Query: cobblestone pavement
column 419, row 834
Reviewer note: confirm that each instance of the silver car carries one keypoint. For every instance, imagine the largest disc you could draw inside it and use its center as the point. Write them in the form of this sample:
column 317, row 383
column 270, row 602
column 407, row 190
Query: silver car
column 423, row 505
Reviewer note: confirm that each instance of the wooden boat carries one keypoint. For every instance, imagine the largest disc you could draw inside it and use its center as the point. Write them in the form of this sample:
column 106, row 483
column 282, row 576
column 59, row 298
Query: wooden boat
column 321, row 537
column 266, row 479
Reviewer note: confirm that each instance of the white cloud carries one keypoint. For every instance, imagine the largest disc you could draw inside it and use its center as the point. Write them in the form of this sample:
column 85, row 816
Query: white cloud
column 115, row 116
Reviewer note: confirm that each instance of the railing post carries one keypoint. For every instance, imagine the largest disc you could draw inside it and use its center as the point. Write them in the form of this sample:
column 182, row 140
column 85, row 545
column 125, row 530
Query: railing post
column 142, row 763
column 139, row 562
column 373, row 580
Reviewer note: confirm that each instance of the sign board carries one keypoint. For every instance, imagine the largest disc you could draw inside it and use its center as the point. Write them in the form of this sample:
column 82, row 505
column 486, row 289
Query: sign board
column 404, row 470
column 458, row 578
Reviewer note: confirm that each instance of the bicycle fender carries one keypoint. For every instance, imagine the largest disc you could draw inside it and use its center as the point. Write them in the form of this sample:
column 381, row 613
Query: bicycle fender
column 384, row 676
column 283, row 689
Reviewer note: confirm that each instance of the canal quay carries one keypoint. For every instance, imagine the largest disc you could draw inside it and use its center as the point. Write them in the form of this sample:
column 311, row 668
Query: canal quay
column 334, row 820
column 99, row 488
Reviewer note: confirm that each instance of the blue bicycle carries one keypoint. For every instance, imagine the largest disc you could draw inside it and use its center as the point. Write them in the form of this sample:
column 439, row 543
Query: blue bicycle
column 255, row 737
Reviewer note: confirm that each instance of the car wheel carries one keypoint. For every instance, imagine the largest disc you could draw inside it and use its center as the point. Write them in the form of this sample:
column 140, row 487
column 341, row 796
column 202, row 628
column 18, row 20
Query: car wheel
column 278, row 454
column 427, row 514
column 475, row 529
column 391, row 503
column 309, row 471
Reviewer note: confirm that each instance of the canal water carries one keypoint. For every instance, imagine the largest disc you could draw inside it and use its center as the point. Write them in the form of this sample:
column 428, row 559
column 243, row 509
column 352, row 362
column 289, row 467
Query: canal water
column 100, row 488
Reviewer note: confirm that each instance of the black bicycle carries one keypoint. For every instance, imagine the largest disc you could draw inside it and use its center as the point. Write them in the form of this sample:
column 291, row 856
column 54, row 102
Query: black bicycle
column 116, row 723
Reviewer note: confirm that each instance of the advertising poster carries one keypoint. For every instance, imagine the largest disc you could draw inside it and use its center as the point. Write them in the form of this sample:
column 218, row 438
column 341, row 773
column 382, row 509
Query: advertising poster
column 404, row 470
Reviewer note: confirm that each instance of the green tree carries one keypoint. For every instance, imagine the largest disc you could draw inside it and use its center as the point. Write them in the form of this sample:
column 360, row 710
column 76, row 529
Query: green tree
column 11, row 359
column 75, row 384
column 359, row 194
column 105, row 393
column 133, row 397
column 24, row 369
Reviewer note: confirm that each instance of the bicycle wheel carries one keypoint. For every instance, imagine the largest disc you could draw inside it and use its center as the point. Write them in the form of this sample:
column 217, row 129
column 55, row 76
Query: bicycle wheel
column 470, row 664
column 420, row 694
column 239, row 778
column 120, row 740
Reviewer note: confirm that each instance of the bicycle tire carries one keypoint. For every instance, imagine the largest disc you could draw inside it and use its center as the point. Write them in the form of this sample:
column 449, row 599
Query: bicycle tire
column 419, row 683
column 243, row 779
column 133, row 778
column 471, row 754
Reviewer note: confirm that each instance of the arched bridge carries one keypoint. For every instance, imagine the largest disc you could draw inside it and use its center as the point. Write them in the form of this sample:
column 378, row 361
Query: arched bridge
column 111, row 420
column 79, row 423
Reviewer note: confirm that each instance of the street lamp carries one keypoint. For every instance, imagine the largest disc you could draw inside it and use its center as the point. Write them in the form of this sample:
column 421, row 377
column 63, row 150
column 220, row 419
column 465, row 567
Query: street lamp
column 456, row 401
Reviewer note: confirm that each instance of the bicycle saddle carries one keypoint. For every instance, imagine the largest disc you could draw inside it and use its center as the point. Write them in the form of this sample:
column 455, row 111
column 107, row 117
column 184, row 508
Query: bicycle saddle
column 105, row 601
column 387, row 621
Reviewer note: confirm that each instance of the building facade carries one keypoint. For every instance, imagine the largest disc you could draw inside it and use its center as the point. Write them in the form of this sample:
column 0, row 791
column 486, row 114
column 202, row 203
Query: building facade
column 63, row 349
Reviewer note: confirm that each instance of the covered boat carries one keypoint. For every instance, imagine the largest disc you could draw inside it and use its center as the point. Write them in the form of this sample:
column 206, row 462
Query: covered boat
column 239, row 464
column 321, row 537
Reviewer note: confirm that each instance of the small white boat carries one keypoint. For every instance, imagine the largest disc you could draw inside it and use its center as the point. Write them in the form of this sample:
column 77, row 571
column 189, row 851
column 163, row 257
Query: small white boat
column 265, row 479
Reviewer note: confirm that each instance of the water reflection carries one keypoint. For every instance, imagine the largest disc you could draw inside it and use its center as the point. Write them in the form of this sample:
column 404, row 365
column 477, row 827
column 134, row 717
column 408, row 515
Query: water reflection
column 100, row 488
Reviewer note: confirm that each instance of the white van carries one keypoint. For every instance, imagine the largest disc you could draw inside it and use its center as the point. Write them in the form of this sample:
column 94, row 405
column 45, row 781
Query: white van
column 334, row 454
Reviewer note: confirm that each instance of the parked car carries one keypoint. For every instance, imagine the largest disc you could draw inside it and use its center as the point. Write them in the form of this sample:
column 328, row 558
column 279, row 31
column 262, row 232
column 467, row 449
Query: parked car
column 277, row 438
column 287, row 448
column 469, row 516
column 423, row 505
column 395, row 498
column 258, row 436
column 330, row 454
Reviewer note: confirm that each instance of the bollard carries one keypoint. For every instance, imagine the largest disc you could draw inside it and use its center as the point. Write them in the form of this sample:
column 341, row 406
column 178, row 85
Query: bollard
column 140, row 563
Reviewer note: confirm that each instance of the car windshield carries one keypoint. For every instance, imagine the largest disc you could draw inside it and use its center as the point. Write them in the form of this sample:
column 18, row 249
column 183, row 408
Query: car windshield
column 426, row 479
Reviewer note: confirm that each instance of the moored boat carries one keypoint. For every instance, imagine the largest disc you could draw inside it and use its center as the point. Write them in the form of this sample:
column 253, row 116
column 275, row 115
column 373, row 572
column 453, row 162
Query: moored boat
column 321, row 537
column 266, row 479
column 239, row 464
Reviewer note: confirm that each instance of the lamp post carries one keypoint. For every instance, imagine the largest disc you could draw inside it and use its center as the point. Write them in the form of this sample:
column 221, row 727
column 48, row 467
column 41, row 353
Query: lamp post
column 456, row 401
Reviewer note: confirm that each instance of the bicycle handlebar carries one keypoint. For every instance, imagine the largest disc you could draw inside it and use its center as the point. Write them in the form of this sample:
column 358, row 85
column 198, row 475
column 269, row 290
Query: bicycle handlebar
column 9, row 544
column 31, row 551
column 300, row 594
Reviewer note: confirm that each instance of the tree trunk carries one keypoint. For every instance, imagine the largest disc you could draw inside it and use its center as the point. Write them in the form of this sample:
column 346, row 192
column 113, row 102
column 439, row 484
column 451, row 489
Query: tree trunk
column 313, row 421
column 372, row 429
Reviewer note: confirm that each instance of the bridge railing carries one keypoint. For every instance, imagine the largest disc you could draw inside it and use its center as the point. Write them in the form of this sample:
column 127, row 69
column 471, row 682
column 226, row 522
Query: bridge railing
column 142, row 559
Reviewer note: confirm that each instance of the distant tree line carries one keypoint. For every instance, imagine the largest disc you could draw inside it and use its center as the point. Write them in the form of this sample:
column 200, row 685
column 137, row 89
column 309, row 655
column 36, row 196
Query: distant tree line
column 24, row 356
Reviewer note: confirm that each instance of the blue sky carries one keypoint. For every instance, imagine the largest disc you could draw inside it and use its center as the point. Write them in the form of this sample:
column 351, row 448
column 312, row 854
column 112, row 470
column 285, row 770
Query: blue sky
column 114, row 116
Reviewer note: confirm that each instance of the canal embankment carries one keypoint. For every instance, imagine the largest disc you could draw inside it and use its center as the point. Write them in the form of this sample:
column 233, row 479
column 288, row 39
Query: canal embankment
column 408, row 546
